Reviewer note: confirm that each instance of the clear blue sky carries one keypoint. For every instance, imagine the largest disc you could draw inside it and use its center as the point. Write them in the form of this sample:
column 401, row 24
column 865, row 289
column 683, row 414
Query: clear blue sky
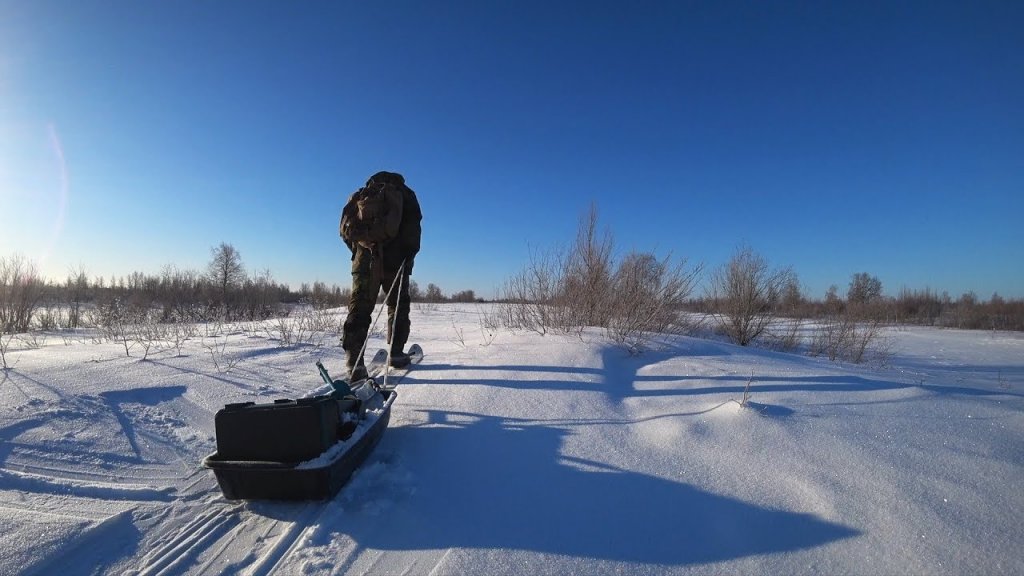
column 885, row 137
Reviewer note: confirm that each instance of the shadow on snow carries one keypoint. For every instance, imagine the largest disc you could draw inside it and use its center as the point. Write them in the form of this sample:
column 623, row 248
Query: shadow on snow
column 144, row 396
column 505, row 486
column 620, row 374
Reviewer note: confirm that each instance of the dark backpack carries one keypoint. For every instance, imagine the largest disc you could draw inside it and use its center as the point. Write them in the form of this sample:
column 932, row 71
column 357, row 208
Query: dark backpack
column 364, row 218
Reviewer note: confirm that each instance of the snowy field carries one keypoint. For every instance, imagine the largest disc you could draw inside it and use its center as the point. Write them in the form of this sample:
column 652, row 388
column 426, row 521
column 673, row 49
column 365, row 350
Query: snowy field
column 515, row 453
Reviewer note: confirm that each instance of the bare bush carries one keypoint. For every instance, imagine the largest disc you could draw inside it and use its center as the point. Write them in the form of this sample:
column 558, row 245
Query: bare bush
column 645, row 297
column 5, row 345
column 115, row 319
column 745, row 292
column 50, row 318
column 490, row 323
column 284, row 330
column 179, row 333
column 785, row 335
column 584, row 286
column 213, row 327
column 745, row 403
column 291, row 331
column 530, row 296
column 307, row 325
column 850, row 337
column 832, row 336
column 217, row 347
column 426, row 307
column 32, row 340
column 460, row 336
column 21, row 290
column 585, row 291
column 148, row 333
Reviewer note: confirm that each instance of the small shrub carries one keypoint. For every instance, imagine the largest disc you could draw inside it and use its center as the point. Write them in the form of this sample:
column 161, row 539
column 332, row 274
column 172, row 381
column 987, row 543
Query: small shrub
column 745, row 292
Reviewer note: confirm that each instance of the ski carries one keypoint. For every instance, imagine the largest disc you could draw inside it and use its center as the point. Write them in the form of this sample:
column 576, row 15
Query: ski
column 383, row 376
column 377, row 363
column 376, row 370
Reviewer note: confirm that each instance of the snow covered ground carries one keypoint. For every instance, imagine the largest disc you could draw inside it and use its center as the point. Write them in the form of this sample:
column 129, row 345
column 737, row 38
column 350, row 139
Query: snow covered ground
column 515, row 453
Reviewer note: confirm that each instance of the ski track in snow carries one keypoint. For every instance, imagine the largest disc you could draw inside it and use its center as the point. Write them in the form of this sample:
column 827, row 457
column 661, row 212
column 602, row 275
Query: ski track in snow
column 519, row 453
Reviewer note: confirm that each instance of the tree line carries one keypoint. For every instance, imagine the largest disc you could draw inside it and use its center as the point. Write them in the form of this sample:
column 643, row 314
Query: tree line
column 223, row 292
column 637, row 295
column 864, row 299
column 583, row 285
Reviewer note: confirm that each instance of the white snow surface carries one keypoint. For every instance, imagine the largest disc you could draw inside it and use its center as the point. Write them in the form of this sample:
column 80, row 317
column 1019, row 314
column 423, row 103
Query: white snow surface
column 517, row 453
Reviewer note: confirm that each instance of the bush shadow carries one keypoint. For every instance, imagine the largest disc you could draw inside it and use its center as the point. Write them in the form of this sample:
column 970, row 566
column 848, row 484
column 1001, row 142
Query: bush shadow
column 506, row 487
column 144, row 396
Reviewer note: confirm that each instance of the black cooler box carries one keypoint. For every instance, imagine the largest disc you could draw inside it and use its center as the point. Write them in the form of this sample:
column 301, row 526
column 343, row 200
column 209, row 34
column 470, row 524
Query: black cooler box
column 285, row 431
column 315, row 479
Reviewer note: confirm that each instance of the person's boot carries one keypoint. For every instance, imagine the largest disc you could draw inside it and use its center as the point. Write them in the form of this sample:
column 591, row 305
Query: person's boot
column 399, row 359
column 356, row 367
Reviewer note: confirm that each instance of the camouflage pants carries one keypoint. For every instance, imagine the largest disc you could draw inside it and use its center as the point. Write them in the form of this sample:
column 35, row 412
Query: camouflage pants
column 368, row 280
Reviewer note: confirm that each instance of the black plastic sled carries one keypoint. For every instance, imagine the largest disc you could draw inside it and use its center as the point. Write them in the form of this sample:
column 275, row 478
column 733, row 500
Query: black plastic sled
column 321, row 475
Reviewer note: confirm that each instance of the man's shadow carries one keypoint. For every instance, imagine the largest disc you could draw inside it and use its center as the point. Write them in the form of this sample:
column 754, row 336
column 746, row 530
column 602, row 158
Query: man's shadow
column 483, row 482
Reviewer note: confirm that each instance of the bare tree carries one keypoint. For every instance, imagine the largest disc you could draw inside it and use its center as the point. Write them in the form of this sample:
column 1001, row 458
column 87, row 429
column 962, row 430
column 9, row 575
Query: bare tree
column 433, row 293
column 784, row 334
column 415, row 293
column 465, row 296
column 791, row 299
column 833, row 303
column 180, row 294
column 863, row 288
column 746, row 292
column 225, row 269
column 21, row 290
column 76, row 289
